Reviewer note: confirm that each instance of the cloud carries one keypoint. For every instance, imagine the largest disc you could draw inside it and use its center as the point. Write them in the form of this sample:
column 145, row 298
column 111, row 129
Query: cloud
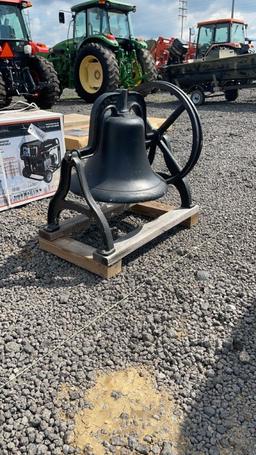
column 153, row 17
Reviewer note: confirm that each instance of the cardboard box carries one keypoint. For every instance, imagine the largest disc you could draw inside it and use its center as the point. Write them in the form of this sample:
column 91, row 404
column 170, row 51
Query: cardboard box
column 31, row 149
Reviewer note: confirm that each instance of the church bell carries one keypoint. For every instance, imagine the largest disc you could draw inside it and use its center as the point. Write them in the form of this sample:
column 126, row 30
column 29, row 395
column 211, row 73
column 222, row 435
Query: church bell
column 119, row 170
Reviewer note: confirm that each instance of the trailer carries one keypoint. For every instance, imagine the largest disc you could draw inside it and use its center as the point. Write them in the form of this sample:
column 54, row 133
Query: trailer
column 222, row 73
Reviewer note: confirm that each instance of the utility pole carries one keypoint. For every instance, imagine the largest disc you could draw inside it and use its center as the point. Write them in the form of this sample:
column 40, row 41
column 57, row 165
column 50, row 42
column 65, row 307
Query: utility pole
column 183, row 9
column 233, row 8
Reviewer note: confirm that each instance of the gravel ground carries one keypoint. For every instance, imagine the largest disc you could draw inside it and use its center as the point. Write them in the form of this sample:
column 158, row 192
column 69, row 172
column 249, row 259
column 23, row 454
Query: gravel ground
column 184, row 308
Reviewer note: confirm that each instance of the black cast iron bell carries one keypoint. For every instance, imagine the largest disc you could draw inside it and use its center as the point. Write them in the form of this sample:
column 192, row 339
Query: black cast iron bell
column 119, row 170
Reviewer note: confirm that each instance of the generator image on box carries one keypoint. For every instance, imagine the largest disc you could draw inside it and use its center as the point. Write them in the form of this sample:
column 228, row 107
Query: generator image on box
column 41, row 158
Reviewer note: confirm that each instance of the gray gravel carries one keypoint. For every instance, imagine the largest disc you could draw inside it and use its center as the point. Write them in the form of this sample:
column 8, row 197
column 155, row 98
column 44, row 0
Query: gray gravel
column 191, row 319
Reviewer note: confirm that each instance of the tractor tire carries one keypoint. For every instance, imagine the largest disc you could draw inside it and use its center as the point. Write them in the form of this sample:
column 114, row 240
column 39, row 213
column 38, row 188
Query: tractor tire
column 231, row 95
column 96, row 72
column 148, row 67
column 43, row 71
column 5, row 100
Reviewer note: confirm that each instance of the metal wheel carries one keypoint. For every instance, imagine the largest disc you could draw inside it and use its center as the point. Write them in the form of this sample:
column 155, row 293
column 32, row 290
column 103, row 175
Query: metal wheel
column 197, row 96
column 48, row 176
column 156, row 138
column 91, row 74
column 96, row 71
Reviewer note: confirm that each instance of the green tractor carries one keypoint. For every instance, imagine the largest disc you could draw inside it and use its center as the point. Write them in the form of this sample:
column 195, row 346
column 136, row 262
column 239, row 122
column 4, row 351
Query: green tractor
column 102, row 54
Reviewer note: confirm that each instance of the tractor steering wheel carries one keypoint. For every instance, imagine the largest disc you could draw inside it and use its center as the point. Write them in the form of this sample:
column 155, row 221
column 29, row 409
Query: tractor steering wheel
column 157, row 137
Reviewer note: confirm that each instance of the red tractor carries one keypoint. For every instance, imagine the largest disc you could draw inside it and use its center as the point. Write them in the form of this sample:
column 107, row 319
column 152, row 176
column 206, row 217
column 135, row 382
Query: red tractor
column 213, row 34
column 166, row 51
column 22, row 70
column 224, row 33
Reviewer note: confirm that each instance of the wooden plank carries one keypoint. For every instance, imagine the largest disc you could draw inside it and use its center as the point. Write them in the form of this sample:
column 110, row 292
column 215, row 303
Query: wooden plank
column 70, row 226
column 89, row 258
column 75, row 120
column 79, row 254
column 156, row 122
column 151, row 209
column 192, row 221
column 146, row 233
column 75, row 142
column 76, row 130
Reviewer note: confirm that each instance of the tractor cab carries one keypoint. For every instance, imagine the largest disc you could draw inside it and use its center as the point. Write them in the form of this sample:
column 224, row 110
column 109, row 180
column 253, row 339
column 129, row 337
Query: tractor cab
column 22, row 71
column 102, row 19
column 13, row 28
column 229, row 33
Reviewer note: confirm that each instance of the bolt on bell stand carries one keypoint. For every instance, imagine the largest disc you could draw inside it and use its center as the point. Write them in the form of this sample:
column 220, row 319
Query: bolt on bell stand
column 113, row 174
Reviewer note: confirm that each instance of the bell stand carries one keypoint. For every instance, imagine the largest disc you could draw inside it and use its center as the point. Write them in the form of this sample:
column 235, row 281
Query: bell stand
column 55, row 237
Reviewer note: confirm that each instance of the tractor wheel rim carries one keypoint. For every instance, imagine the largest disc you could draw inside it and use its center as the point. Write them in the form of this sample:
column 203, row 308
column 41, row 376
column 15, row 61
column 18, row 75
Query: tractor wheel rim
column 91, row 74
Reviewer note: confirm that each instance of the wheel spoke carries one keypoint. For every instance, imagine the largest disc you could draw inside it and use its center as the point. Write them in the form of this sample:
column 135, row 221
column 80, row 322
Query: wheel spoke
column 150, row 136
column 155, row 138
column 170, row 120
column 152, row 153
column 170, row 161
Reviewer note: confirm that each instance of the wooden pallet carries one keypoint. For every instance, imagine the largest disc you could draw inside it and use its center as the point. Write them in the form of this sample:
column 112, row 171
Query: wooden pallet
column 164, row 217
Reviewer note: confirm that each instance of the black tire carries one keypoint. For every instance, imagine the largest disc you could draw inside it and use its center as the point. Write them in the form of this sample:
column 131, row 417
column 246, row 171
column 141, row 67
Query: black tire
column 148, row 67
column 109, row 67
column 5, row 100
column 197, row 96
column 231, row 95
column 43, row 71
column 48, row 176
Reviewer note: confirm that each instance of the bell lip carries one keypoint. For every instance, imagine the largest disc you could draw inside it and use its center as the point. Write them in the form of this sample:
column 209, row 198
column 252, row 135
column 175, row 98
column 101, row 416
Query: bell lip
column 101, row 195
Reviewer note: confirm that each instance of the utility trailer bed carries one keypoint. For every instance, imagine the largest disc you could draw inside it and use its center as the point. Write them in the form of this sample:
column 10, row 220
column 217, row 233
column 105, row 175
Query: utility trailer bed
column 210, row 77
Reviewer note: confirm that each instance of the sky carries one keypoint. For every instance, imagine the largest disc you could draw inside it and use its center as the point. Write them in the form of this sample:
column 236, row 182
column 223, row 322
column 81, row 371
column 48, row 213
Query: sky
column 153, row 18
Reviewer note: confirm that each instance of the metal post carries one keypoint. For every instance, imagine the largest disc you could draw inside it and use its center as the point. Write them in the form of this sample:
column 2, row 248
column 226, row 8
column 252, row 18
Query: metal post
column 233, row 8
column 190, row 36
column 183, row 8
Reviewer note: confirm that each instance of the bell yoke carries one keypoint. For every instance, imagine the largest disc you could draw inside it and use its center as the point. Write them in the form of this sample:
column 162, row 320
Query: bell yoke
column 115, row 167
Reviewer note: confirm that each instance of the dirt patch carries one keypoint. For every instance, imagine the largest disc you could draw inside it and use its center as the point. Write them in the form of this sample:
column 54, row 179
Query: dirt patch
column 122, row 404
